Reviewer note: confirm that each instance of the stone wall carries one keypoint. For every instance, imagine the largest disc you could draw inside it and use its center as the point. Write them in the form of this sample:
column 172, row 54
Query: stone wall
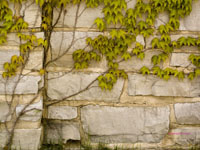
column 142, row 111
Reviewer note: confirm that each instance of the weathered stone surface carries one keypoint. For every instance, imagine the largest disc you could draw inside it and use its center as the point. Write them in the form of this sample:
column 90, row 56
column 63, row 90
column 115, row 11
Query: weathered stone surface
column 125, row 124
column 86, row 17
column 61, row 41
column 187, row 113
column 4, row 112
column 27, row 85
column 24, row 139
column 62, row 112
column 181, row 60
column 35, row 58
column 186, row 135
column 32, row 113
column 135, row 63
column 71, row 83
column 61, row 132
column 152, row 85
column 192, row 21
column 32, row 13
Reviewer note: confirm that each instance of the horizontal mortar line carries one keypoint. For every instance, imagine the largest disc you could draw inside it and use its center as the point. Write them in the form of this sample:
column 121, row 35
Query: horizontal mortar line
column 86, row 29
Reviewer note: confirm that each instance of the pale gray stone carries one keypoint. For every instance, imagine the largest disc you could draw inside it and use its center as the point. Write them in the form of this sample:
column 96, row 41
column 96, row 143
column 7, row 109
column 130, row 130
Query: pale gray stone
column 187, row 113
column 35, row 60
column 62, row 112
column 61, row 41
column 26, row 85
column 24, row 139
column 4, row 112
column 153, row 85
column 71, row 83
column 86, row 15
column 181, row 60
column 125, row 124
column 32, row 113
column 192, row 21
column 186, row 135
column 136, row 64
column 62, row 132
column 32, row 13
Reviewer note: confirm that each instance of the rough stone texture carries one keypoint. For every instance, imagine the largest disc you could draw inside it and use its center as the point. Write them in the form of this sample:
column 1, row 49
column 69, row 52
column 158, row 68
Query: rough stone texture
column 4, row 110
column 86, row 18
column 152, row 85
column 33, row 111
column 35, row 58
column 187, row 113
column 181, row 60
column 32, row 13
column 136, row 63
column 61, row 41
column 125, row 124
column 24, row 139
column 192, row 22
column 27, row 85
column 186, row 135
column 62, row 112
column 61, row 132
column 72, row 83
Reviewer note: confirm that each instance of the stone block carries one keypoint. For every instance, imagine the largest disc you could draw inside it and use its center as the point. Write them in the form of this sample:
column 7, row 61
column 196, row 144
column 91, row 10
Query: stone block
column 4, row 112
column 63, row 86
column 86, row 15
column 33, row 112
column 125, row 124
column 136, row 64
column 61, row 41
column 24, row 139
column 187, row 113
column 192, row 21
column 62, row 112
column 181, row 60
column 26, row 85
column 152, row 85
column 32, row 13
column 61, row 132
column 186, row 136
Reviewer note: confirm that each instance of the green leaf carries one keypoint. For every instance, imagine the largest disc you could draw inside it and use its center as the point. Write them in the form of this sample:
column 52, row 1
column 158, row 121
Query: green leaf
column 126, row 56
column 144, row 70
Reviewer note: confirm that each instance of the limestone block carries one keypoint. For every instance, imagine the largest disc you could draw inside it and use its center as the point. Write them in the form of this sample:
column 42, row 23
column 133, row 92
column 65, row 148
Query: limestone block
column 34, row 62
column 71, row 83
column 152, row 85
column 86, row 15
column 61, row 132
column 4, row 112
column 136, row 64
column 62, row 112
column 125, row 124
column 24, row 139
column 187, row 113
column 26, row 85
column 192, row 21
column 186, row 135
column 32, row 113
column 181, row 60
column 61, row 41
column 32, row 13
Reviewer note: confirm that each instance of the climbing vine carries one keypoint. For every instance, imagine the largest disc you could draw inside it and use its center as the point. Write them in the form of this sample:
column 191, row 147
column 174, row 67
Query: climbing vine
column 123, row 25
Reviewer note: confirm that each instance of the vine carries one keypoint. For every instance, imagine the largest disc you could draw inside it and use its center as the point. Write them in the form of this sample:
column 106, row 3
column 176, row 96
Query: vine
column 123, row 25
